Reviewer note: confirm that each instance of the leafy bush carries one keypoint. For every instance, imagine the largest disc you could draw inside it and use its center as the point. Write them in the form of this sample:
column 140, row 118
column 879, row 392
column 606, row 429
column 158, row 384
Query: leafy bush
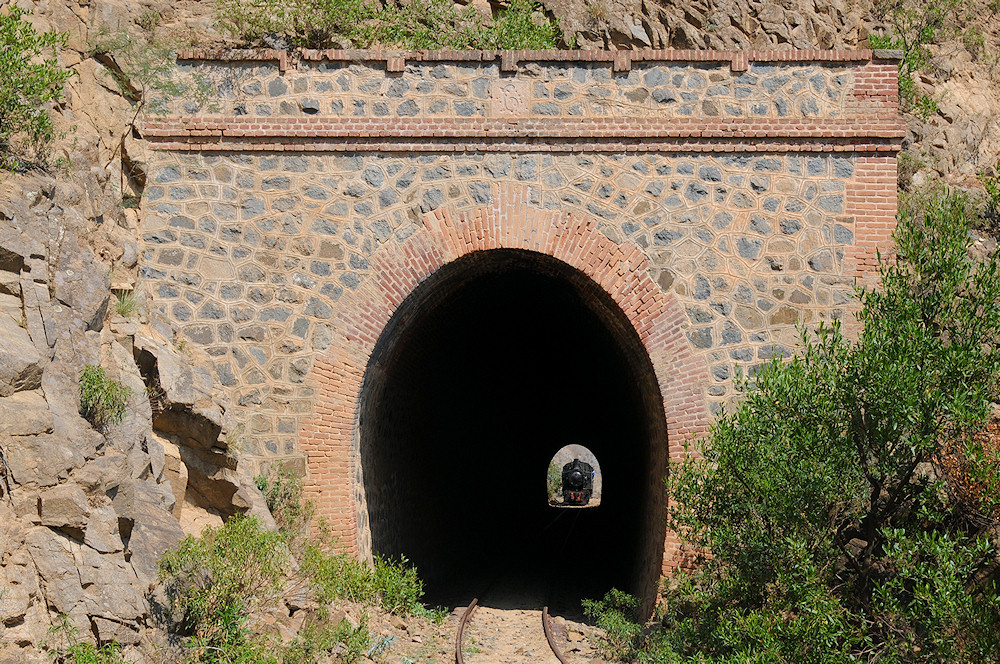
column 616, row 616
column 29, row 83
column 825, row 498
column 216, row 581
column 102, row 399
column 392, row 585
column 416, row 24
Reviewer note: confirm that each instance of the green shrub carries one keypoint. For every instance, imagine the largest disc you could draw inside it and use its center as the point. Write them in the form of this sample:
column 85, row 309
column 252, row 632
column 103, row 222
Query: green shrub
column 216, row 581
column 145, row 73
column 64, row 647
column 283, row 493
column 322, row 637
column 29, row 83
column 392, row 585
column 416, row 24
column 913, row 25
column 616, row 616
column 824, row 498
column 102, row 399
column 991, row 214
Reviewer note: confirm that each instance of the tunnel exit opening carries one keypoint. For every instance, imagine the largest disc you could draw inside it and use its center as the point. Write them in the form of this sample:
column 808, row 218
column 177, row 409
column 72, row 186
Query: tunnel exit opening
column 490, row 366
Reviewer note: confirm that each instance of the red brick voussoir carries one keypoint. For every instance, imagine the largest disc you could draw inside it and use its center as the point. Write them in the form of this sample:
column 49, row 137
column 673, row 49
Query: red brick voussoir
column 510, row 222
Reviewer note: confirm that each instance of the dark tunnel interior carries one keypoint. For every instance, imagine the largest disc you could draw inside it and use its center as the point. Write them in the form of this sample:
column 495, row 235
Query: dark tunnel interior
column 495, row 362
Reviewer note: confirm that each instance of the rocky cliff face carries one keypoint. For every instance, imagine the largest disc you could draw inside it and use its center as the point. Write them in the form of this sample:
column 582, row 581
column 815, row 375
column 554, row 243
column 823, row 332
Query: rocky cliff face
column 85, row 514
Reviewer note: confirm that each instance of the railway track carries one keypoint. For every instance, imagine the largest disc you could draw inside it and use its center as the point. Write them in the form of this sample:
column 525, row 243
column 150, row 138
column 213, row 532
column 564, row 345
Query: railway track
column 467, row 616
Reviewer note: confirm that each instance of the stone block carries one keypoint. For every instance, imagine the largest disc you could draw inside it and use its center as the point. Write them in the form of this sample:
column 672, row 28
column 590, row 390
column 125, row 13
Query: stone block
column 64, row 506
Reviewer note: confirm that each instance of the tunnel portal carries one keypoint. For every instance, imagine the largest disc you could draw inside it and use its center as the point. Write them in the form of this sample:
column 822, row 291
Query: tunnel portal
column 490, row 366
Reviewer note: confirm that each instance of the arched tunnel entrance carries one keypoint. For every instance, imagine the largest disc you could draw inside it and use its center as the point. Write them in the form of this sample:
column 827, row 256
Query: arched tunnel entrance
column 490, row 366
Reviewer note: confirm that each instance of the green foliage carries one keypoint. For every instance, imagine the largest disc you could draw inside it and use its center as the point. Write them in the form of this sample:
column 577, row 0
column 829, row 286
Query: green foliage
column 616, row 616
column 145, row 73
column 827, row 498
column 29, row 83
column 416, row 24
column 907, row 165
column 65, row 647
column 991, row 213
column 914, row 24
column 553, row 481
column 126, row 304
column 102, row 399
column 322, row 637
column 392, row 585
column 283, row 492
column 216, row 581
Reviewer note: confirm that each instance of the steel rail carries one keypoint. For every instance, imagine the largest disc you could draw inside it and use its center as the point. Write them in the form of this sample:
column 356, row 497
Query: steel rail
column 459, row 658
column 548, row 636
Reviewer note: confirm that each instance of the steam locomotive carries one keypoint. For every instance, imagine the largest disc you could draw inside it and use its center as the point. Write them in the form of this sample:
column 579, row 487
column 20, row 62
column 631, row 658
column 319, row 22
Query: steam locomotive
column 577, row 482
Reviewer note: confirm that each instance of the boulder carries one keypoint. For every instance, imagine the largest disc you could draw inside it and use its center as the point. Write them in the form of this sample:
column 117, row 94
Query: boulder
column 81, row 282
column 102, row 532
column 25, row 414
column 175, row 472
column 10, row 304
column 44, row 459
column 101, row 474
column 121, row 632
column 16, row 247
column 64, row 506
column 148, row 529
column 111, row 588
column 61, row 383
column 52, row 554
column 19, row 360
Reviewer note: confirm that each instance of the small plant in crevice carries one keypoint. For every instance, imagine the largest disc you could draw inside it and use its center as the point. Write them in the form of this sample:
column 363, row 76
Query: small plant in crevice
column 126, row 303
column 65, row 647
column 283, row 492
column 102, row 399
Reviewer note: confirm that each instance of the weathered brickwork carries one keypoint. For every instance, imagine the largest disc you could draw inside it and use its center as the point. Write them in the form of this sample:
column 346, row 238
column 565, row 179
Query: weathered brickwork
column 719, row 202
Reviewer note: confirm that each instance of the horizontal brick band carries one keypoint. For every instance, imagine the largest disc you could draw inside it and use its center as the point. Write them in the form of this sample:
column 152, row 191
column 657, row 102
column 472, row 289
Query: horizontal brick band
column 762, row 146
column 876, row 132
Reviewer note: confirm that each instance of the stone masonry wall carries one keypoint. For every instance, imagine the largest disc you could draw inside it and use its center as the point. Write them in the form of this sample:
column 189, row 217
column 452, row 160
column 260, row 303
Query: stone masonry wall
column 750, row 189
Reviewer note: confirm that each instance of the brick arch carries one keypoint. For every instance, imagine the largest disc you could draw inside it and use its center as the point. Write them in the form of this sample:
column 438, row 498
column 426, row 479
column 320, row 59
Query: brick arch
column 329, row 437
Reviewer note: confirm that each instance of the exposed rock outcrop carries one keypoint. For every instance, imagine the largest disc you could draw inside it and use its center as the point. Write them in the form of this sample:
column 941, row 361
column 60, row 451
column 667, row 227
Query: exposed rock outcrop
column 85, row 514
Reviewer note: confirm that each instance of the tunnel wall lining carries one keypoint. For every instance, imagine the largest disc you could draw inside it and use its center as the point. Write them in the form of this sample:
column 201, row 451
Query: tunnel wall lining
column 330, row 438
